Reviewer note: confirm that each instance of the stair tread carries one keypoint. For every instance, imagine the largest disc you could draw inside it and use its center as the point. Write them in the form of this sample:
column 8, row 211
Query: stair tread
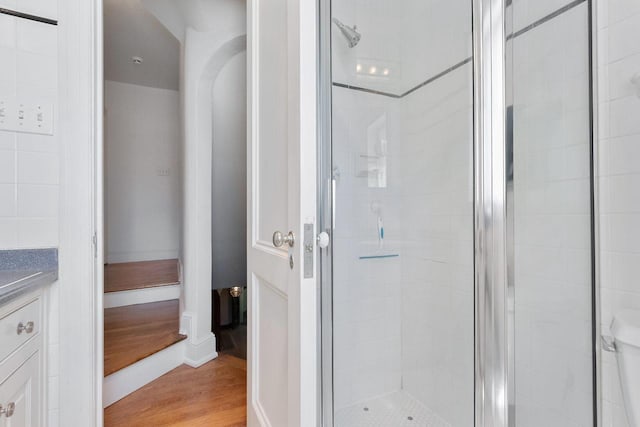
column 134, row 332
column 128, row 276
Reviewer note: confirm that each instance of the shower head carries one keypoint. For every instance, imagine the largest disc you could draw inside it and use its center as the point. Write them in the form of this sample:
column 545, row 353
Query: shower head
column 350, row 33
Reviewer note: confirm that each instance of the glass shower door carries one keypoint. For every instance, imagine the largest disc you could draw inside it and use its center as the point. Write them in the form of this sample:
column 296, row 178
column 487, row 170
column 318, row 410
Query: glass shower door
column 459, row 174
column 402, row 171
column 552, row 310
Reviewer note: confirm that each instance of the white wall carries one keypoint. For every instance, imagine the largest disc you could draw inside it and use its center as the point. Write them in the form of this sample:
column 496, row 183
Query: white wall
column 29, row 163
column 229, row 175
column 142, row 142
column 619, row 171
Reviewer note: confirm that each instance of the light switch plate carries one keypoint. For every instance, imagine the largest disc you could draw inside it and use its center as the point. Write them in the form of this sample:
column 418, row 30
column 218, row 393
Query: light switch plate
column 27, row 116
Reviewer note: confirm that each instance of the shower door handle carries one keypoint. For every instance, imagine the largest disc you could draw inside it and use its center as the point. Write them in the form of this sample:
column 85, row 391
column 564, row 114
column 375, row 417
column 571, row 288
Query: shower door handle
column 280, row 239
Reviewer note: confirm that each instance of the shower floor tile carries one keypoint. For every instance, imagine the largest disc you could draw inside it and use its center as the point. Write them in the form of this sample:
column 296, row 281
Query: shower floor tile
column 395, row 409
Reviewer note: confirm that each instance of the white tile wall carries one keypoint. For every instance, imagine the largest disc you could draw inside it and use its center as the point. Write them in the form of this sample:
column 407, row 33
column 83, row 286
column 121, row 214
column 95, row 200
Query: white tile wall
column 619, row 179
column 30, row 172
column 553, row 359
column 426, row 295
column 44, row 8
column 406, row 322
column 29, row 165
column 437, row 270
column 404, row 36
column 367, row 336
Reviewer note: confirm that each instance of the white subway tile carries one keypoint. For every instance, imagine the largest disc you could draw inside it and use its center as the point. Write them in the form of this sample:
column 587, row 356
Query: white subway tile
column 620, row 155
column 623, row 38
column 623, row 115
column 8, row 207
column 37, row 168
column 37, row 71
column 7, row 72
column 7, row 166
column 618, row 10
column 8, row 233
column 620, row 75
column 37, row 200
column 37, row 232
column 37, row 38
column 36, row 142
column 7, row 32
column 44, row 8
column 7, row 140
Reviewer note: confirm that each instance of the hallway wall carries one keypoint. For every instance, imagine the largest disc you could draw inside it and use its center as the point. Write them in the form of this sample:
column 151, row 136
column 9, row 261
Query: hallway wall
column 142, row 139
column 229, row 175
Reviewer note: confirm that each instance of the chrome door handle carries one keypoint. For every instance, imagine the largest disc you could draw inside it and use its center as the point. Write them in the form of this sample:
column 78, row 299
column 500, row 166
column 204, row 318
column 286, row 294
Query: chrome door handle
column 28, row 328
column 280, row 239
column 9, row 410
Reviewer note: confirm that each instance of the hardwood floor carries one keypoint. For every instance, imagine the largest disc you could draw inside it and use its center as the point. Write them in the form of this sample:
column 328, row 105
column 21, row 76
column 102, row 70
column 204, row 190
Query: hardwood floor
column 212, row 395
column 138, row 275
column 134, row 332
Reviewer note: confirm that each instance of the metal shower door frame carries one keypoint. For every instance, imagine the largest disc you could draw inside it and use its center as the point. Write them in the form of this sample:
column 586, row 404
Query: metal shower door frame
column 493, row 218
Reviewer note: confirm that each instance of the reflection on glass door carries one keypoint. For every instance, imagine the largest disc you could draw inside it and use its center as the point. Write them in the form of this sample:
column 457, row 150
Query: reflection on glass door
column 548, row 74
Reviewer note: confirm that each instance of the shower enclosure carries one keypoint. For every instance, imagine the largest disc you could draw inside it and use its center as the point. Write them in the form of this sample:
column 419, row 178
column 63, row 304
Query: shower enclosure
column 456, row 185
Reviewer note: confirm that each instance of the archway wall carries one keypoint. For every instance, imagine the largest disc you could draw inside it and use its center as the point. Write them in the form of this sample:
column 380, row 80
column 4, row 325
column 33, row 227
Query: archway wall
column 205, row 55
column 229, row 175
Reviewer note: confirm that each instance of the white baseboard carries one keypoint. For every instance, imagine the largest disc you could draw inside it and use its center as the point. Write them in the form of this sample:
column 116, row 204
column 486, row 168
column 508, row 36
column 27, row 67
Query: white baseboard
column 198, row 351
column 141, row 296
column 118, row 257
column 197, row 354
column 127, row 380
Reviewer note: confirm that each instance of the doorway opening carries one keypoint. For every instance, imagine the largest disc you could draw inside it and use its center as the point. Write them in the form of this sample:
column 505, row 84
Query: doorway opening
column 229, row 207
column 175, row 209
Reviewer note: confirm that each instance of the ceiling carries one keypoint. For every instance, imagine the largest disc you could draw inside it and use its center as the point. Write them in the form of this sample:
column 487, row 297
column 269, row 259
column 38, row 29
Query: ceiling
column 131, row 30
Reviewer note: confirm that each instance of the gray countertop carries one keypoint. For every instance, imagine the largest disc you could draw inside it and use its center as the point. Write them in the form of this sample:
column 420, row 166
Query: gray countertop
column 23, row 270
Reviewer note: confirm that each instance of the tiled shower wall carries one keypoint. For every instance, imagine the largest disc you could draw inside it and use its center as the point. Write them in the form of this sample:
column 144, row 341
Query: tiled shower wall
column 552, row 268
column 367, row 292
column 406, row 323
column 618, row 59
column 437, row 247
column 427, row 207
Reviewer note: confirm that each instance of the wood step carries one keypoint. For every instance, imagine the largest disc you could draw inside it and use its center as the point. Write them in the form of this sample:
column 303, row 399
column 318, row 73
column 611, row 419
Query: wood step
column 134, row 332
column 141, row 274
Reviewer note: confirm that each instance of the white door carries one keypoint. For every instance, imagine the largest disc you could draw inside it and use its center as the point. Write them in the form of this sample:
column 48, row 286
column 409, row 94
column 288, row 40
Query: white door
column 282, row 348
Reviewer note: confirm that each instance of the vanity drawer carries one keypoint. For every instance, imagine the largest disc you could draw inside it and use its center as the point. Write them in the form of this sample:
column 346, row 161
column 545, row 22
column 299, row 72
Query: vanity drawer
column 18, row 327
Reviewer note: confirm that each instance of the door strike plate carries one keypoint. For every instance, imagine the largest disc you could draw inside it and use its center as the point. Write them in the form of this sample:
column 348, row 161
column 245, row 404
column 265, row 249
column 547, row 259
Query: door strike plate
column 308, row 245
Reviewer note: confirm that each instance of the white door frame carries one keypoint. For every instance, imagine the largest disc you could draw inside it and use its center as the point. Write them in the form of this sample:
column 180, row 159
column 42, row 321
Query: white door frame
column 81, row 253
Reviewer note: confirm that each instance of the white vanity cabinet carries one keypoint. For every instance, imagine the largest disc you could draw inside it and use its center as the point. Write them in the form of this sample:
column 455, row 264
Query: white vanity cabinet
column 22, row 361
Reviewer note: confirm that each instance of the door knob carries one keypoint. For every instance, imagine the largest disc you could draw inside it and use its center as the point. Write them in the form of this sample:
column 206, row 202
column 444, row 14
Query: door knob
column 280, row 239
